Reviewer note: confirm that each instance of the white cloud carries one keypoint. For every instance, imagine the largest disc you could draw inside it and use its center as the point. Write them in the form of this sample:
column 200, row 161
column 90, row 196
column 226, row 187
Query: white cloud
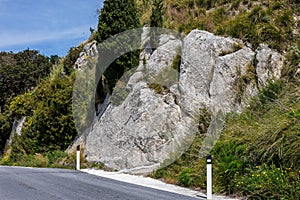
column 18, row 38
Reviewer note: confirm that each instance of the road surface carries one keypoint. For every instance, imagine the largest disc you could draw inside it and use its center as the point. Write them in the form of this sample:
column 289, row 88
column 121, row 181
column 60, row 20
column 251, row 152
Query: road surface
column 18, row 183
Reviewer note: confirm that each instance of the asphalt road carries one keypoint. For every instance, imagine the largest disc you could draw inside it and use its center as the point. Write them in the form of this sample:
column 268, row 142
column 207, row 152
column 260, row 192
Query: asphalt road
column 18, row 183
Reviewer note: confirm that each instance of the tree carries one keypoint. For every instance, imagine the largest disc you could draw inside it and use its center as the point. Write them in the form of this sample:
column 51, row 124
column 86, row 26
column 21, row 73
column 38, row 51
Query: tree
column 21, row 72
column 115, row 17
column 54, row 59
column 49, row 121
column 156, row 19
column 5, row 129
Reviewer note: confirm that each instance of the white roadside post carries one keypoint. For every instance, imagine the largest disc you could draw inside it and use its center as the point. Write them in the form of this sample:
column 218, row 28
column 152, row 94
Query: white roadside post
column 78, row 158
column 209, row 177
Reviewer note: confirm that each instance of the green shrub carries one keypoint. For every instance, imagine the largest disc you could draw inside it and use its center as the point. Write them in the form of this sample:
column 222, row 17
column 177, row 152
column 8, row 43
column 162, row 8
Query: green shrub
column 20, row 72
column 277, row 5
column 289, row 72
column 269, row 182
column 55, row 156
column 235, row 4
column 116, row 17
column 185, row 177
column 36, row 160
column 49, row 124
column 53, row 159
column 260, row 25
column 61, row 159
column 5, row 129
column 158, row 88
column 271, row 92
column 229, row 162
column 264, row 135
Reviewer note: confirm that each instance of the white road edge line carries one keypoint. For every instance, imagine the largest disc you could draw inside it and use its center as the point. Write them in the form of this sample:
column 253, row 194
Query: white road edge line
column 149, row 182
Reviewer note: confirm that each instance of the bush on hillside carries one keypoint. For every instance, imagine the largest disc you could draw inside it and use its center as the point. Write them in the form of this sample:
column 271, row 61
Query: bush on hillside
column 49, row 124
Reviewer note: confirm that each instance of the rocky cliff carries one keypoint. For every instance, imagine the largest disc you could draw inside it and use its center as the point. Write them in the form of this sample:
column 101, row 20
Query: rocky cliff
column 157, row 118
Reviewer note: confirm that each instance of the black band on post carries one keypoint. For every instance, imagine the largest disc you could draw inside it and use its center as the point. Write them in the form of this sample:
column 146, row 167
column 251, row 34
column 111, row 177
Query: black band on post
column 208, row 159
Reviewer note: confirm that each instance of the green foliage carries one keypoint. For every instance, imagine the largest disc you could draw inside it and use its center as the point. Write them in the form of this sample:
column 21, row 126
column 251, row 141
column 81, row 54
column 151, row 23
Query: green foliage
column 266, row 135
column 54, row 59
column 121, row 92
column 269, row 182
column 116, row 69
column 71, row 58
column 5, row 129
column 292, row 61
column 185, row 177
column 269, row 22
column 229, row 163
column 261, row 25
column 208, row 4
column 115, row 17
column 158, row 88
column 36, row 160
column 156, row 19
column 49, row 124
column 219, row 15
column 271, row 92
column 54, row 159
column 21, row 72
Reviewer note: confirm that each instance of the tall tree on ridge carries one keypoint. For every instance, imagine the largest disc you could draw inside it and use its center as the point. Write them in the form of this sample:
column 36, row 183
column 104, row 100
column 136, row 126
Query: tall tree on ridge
column 115, row 17
column 156, row 19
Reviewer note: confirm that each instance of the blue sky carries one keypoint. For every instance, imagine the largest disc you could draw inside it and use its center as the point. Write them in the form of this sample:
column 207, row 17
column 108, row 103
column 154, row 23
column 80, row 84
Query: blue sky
column 50, row 26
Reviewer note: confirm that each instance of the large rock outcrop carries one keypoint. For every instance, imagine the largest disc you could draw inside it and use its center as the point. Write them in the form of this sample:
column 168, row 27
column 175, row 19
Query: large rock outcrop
column 223, row 73
column 157, row 118
column 147, row 126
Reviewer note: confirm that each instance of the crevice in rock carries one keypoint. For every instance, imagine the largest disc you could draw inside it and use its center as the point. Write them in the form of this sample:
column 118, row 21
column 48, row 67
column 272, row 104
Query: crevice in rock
column 255, row 62
column 103, row 106
column 141, row 143
column 176, row 101
column 236, row 47
column 211, row 74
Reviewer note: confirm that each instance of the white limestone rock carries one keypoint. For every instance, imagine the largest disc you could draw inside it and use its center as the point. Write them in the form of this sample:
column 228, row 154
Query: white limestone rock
column 149, row 127
column 220, row 73
column 87, row 56
column 269, row 65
